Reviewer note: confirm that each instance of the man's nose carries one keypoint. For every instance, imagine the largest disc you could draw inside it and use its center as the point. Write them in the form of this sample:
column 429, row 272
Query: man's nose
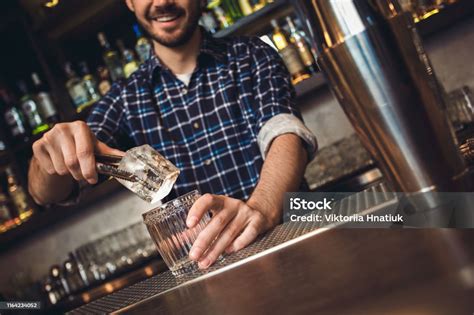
column 158, row 3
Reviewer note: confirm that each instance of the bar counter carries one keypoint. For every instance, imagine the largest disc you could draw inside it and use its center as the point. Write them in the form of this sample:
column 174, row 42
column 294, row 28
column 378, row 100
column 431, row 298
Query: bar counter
column 302, row 268
column 337, row 272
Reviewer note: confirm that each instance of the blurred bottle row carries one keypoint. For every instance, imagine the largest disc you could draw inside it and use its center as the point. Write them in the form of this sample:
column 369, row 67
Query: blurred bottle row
column 88, row 270
column 293, row 45
column 30, row 110
column 97, row 262
column 16, row 205
column 422, row 9
column 221, row 14
column 28, row 113
column 87, row 88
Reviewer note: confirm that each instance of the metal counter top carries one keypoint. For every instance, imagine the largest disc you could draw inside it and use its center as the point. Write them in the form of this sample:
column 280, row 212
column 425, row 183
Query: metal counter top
column 298, row 268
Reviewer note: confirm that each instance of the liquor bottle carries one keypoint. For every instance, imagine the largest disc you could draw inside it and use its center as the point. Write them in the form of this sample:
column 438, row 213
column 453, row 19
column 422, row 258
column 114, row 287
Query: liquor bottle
column 111, row 58
column 3, row 145
column 246, row 7
column 209, row 22
column 89, row 82
column 13, row 118
column 104, row 80
column 130, row 64
column 76, row 89
column 18, row 195
column 222, row 16
column 257, row 4
column 44, row 99
column 143, row 46
column 290, row 54
column 298, row 39
column 232, row 8
column 31, row 109
column 57, row 284
column 5, row 212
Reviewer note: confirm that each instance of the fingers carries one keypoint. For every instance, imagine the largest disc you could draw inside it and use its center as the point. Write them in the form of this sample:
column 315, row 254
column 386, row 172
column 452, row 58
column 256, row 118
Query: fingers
column 250, row 233
column 204, row 204
column 70, row 159
column 42, row 157
column 55, row 154
column 68, row 149
column 231, row 231
column 102, row 148
column 85, row 155
column 210, row 233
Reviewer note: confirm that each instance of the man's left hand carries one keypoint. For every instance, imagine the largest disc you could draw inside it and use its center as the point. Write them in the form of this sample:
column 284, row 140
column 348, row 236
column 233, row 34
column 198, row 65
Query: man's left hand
column 233, row 226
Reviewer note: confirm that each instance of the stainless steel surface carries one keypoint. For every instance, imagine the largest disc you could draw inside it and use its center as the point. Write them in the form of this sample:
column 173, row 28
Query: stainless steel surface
column 281, row 236
column 375, row 62
column 324, row 271
column 340, row 271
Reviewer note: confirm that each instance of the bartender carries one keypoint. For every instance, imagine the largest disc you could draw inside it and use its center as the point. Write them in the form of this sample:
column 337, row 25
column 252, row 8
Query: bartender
column 222, row 110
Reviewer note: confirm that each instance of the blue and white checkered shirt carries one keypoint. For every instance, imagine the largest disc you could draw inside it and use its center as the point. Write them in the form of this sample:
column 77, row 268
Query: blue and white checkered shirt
column 210, row 128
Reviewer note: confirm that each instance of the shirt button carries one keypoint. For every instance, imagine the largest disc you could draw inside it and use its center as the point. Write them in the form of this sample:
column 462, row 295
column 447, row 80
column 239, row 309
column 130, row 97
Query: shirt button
column 196, row 125
column 208, row 162
column 184, row 90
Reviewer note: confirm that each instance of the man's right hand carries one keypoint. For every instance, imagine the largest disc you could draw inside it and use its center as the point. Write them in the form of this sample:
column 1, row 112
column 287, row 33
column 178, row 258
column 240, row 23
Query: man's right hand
column 68, row 149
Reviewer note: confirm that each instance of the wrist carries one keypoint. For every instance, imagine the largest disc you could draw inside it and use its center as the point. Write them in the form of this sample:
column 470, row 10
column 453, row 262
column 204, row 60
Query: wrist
column 272, row 214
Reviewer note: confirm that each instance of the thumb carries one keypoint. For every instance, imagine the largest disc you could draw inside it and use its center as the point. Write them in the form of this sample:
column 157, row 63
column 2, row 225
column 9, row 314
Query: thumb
column 102, row 148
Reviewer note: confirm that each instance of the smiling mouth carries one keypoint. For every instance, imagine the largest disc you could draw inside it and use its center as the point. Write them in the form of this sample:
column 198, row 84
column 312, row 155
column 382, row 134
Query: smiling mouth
column 167, row 17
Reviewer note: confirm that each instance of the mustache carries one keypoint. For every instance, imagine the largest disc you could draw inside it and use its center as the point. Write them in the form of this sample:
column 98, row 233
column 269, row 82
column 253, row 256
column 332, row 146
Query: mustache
column 168, row 9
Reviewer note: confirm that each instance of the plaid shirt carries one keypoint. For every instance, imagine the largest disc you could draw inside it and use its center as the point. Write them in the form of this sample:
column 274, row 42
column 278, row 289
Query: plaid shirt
column 209, row 128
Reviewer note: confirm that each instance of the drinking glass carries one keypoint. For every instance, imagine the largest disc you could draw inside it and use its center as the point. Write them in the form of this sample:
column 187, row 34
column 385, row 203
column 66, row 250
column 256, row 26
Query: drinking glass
column 461, row 107
column 173, row 239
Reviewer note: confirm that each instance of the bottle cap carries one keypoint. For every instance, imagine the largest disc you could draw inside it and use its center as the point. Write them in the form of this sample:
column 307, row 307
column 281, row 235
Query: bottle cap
column 102, row 39
column 36, row 79
column 275, row 23
column 68, row 69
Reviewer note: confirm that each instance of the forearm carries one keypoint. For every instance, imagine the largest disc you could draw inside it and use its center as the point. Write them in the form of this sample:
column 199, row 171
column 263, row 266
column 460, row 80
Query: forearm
column 46, row 188
column 282, row 172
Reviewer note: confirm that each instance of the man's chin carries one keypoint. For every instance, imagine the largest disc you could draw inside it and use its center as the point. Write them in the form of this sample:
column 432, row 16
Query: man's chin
column 173, row 39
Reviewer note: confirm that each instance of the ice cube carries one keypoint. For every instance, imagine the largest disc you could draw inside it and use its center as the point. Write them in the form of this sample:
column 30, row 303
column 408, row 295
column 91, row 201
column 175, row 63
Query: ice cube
column 156, row 175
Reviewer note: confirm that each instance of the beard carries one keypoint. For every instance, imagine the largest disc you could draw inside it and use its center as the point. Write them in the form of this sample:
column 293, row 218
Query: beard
column 184, row 34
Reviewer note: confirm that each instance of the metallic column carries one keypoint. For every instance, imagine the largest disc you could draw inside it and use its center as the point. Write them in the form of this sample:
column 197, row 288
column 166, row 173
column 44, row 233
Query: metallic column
column 371, row 54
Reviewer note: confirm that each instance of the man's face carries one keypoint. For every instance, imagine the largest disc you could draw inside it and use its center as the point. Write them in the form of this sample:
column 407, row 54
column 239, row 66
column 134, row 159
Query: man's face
column 170, row 22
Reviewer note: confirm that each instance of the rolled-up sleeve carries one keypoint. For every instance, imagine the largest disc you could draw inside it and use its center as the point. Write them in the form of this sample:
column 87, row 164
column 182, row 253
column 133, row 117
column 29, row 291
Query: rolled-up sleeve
column 283, row 124
column 275, row 110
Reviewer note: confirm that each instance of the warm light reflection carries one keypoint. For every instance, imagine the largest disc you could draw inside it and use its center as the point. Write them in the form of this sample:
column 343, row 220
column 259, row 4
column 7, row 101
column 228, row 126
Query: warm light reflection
column 51, row 3
column 426, row 15
column 149, row 271
column 109, row 288
column 391, row 7
column 86, row 297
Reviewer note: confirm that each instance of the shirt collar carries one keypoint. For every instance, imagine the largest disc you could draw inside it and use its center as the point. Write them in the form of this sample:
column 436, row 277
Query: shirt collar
column 210, row 47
